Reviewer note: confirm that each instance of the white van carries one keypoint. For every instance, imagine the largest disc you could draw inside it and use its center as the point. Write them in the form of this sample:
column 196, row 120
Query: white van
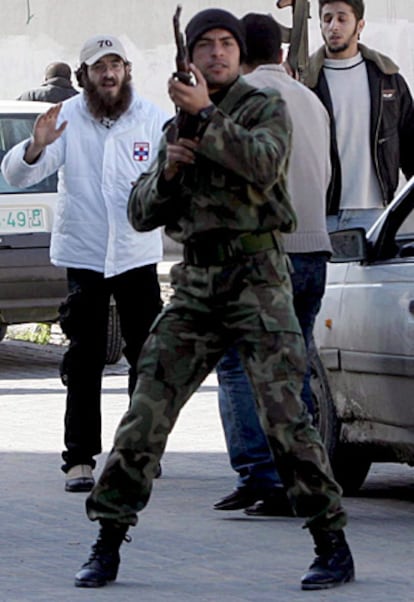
column 31, row 288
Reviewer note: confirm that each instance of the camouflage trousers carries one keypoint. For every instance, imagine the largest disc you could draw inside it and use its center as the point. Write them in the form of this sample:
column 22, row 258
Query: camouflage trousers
column 249, row 305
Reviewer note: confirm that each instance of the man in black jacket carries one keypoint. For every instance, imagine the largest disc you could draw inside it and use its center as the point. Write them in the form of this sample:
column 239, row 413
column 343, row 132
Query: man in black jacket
column 57, row 85
column 372, row 117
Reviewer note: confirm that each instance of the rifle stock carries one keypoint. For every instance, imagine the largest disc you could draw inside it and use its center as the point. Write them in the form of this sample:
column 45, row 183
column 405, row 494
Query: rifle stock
column 297, row 36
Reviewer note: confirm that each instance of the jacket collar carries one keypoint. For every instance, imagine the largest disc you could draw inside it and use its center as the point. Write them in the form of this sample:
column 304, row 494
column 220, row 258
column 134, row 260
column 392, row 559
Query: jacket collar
column 384, row 63
column 57, row 81
column 235, row 93
column 269, row 67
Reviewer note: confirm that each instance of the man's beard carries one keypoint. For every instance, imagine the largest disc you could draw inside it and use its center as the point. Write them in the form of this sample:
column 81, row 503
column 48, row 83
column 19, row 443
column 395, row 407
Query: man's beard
column 106, row 106
column 212, row 84
column 344, row 46
column 338, row 49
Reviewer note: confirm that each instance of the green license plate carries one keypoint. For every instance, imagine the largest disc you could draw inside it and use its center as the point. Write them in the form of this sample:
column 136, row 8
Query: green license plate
column 27, row 219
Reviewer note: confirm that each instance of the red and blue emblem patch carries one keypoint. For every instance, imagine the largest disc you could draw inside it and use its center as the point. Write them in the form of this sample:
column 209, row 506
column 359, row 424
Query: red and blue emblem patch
column 141, row 151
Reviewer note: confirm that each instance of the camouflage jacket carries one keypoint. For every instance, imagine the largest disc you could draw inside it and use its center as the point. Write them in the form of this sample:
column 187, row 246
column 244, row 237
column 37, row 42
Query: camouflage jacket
column 238, row 181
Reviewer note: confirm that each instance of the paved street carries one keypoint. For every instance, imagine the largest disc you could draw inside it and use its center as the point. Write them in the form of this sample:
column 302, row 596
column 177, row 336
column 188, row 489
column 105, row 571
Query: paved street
column 182, row 550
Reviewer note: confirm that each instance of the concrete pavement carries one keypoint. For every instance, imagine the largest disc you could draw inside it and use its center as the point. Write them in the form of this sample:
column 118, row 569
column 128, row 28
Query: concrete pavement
column 182, row 550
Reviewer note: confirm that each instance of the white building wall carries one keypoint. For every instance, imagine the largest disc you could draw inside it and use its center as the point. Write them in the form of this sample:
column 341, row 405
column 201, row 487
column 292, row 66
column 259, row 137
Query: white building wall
column 37, row 32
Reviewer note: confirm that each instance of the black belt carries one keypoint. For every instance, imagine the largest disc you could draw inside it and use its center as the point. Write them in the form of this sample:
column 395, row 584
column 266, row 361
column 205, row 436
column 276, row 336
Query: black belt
column 218, row 252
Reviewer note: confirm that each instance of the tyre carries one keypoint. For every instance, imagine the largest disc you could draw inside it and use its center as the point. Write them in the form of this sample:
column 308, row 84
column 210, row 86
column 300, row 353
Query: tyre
column 324, row 413
column 350, row 463
column 3, row 330
column 114, row 341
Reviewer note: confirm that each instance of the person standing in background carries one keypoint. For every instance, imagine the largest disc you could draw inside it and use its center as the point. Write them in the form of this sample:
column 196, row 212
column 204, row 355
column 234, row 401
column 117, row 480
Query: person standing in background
column 372, row 117
column 57, row 85
column 308, row 248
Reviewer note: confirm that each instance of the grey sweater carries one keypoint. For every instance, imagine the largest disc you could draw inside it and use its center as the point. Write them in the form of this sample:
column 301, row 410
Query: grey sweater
column 309, row 169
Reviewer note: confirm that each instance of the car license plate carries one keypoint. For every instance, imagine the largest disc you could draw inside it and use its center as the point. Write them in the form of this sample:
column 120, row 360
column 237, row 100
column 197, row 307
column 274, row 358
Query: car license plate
column 22, row 219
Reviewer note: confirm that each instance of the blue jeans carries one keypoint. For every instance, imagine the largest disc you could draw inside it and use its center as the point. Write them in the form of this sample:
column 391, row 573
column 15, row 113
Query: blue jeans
column 247, row 446
column 353, row 218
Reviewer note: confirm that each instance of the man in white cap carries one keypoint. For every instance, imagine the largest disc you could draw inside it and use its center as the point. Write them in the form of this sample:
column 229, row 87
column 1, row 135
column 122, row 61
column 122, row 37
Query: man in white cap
column 100, row 141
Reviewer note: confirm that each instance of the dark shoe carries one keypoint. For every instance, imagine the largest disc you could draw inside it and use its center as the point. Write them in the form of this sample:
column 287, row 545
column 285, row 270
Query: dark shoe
column 79, row 478
column 159, row 471
column 104, row 559
column 274, row 504
column 238, row 499
column 333, row 564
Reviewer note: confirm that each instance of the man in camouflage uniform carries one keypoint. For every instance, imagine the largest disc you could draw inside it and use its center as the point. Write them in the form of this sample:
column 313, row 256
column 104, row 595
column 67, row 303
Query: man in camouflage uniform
column 222, row 194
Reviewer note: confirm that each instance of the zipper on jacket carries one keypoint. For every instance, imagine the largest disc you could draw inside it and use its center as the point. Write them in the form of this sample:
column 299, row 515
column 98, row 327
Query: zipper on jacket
column 378, row 141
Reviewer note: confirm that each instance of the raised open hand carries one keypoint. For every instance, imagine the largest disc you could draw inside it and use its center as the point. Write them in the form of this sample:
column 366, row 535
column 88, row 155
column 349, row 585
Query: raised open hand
column 44, row 132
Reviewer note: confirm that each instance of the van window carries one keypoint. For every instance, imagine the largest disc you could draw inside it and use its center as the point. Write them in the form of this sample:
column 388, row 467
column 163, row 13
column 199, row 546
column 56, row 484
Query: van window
column 14, row 129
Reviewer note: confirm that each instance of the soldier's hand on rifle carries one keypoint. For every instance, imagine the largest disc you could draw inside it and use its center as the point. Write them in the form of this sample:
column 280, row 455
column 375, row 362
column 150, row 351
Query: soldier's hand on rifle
column 190, row 99
column 179, row 154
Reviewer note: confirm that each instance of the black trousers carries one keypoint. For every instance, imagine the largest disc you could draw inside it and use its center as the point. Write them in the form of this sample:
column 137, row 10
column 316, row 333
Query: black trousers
column 83, row 318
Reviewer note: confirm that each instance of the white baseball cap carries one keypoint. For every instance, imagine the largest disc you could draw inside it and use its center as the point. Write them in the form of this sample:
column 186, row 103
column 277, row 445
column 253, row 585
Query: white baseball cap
column 98, row 46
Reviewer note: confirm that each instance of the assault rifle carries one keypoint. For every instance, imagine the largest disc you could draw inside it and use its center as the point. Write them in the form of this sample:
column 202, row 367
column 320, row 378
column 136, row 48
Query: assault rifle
column 297, row 36
column 184, row 125
column 182, row 62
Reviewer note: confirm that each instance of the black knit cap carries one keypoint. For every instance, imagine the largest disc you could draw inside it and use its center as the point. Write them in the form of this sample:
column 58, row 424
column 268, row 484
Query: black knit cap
column 215, row 18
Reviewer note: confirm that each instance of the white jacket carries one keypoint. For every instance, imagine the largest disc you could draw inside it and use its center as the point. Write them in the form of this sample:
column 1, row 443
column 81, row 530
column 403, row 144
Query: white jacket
column 96, row 167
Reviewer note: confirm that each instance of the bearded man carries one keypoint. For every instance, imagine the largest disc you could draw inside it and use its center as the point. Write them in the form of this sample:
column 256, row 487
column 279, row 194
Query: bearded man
column 100, row 141
column 372, row 117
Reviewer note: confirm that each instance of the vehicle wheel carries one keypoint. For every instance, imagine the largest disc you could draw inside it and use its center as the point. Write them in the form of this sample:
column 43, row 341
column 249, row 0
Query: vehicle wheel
column 3, row 330
column 350, row 464
column 324, row 414
column 114, row 341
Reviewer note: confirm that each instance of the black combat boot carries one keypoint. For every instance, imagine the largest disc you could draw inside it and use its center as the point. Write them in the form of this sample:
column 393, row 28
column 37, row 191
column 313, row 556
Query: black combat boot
column 104, row 559
column 333, row 564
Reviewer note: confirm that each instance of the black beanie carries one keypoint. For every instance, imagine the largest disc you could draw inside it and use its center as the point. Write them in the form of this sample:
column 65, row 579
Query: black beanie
column 214, row 18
